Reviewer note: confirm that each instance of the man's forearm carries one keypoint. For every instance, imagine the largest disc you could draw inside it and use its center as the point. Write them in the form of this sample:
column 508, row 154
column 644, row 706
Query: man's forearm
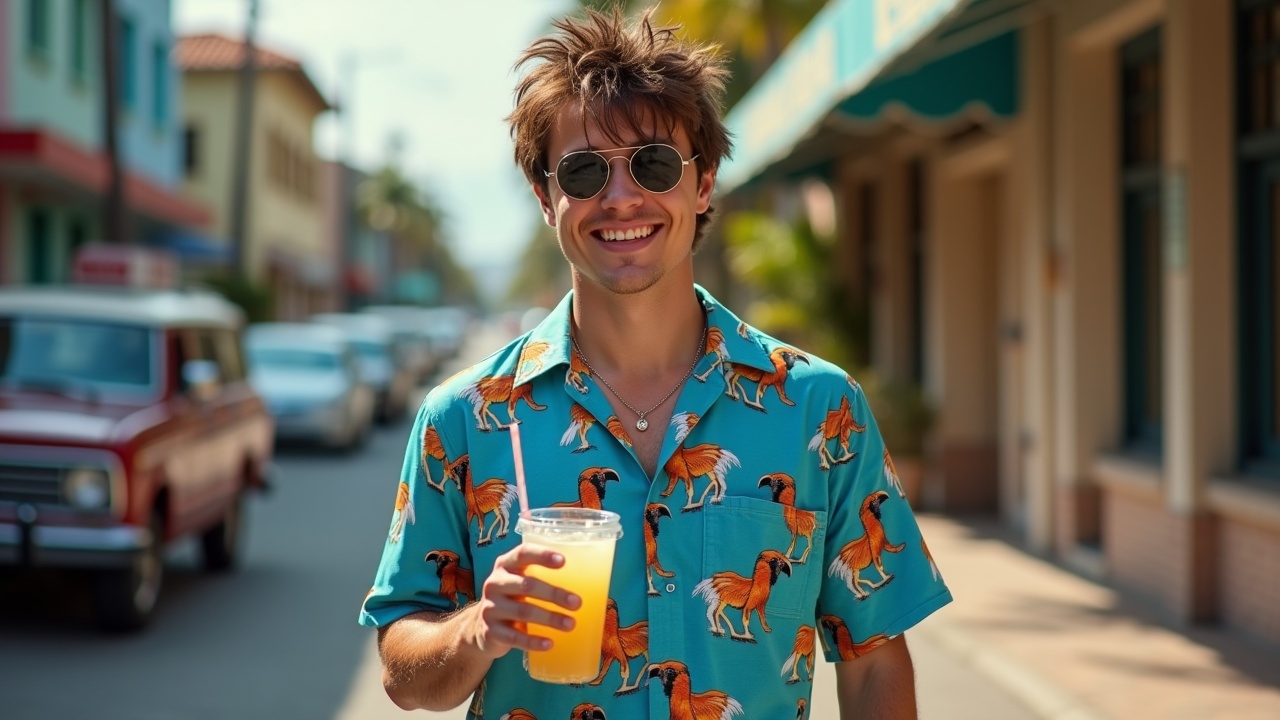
column 428, row 662
column 879, row 685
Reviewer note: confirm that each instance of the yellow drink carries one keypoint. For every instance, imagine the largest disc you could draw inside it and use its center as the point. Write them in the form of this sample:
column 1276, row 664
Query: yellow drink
column 586, row 538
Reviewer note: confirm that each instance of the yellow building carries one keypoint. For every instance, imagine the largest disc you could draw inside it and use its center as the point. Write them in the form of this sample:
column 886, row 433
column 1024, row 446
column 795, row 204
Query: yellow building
column 288, row 245
column 1063, row 217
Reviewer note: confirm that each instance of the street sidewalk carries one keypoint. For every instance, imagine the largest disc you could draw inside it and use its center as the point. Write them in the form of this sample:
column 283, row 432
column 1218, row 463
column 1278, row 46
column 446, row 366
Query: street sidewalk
column 1072, row 649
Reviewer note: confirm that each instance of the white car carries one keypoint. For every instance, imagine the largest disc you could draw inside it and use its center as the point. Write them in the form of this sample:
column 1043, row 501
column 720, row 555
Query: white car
column 309, row 377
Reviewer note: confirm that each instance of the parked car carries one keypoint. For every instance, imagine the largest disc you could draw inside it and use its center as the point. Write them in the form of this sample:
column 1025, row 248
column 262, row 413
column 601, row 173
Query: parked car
column 309, row 375
column 411, row 327
column 380, row 364
column 126, row 422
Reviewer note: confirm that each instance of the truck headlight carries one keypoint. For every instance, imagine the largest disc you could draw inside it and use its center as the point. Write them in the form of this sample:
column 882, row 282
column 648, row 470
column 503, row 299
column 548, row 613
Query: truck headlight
column 88, row 488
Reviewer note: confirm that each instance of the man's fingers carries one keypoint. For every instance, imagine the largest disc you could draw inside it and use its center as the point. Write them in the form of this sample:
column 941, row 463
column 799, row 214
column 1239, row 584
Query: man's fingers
column 527, row 554
column 521, row 613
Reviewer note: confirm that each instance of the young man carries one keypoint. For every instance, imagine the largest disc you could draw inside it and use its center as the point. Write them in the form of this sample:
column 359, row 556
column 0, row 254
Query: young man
column 761, row 518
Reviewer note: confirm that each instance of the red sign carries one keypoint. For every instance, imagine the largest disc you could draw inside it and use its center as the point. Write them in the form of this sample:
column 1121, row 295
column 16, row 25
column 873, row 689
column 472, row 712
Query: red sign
column 124, row 265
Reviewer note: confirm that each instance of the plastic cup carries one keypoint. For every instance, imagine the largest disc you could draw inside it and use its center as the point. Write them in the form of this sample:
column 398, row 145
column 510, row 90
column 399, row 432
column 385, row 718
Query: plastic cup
column 586, row 538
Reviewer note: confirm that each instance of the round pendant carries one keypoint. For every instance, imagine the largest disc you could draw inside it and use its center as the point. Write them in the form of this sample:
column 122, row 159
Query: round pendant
column 642, row 424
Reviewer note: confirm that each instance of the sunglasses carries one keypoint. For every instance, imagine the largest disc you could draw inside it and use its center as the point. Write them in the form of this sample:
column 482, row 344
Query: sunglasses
column 583, row 174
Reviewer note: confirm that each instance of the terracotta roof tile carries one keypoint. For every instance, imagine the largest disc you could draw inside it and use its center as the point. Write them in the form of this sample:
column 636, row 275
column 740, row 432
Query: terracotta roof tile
column 211, row 52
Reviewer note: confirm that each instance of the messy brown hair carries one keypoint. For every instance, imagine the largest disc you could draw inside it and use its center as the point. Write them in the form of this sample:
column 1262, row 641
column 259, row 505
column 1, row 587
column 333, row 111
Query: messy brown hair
column 620, row 75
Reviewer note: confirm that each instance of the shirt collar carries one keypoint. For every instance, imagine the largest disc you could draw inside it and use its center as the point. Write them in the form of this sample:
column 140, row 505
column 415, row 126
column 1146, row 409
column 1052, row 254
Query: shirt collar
column 547, row 346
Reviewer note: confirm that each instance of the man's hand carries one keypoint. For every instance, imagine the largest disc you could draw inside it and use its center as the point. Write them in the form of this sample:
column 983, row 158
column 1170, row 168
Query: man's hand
column 504, row 611
column 435, row 662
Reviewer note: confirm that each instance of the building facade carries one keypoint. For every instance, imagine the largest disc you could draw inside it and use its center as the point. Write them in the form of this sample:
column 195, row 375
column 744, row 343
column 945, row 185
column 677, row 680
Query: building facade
column 54, row 171
column 288, row 244
column 1062, row 216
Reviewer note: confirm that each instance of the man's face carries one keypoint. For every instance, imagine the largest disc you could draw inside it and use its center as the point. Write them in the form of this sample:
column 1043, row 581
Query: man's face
column 663, row 224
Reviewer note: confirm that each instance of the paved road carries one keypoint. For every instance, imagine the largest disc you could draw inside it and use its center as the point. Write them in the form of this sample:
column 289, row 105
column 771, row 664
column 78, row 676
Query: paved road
column 278, row 640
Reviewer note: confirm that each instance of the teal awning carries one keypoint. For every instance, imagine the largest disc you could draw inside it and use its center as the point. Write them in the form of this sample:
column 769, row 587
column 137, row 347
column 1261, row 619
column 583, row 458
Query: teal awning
column 857, row 57
column 984, row 75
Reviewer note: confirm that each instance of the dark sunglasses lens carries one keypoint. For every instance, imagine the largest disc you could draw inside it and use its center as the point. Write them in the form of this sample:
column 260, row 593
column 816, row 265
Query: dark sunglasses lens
column 582, row 174
column 657, row 168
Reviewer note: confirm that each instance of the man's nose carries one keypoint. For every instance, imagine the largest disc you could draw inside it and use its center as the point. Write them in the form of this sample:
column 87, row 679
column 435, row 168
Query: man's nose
column 620, row 190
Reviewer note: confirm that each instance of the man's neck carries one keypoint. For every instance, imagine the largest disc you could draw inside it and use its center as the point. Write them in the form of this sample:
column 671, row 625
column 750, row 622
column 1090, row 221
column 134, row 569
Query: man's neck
column 640, row 337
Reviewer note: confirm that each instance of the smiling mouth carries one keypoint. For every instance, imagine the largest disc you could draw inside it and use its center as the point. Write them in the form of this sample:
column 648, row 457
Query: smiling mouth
column 637, row 233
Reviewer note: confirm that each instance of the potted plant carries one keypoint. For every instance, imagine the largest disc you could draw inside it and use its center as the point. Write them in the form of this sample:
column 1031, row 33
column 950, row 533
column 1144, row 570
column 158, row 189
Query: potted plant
column 905, row 417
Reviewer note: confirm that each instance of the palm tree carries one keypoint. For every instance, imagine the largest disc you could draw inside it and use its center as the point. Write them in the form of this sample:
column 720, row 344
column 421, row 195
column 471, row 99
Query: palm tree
column 752, row 33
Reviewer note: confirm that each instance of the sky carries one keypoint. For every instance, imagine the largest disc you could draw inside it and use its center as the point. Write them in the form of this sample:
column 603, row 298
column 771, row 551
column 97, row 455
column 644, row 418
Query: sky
column 438, row 75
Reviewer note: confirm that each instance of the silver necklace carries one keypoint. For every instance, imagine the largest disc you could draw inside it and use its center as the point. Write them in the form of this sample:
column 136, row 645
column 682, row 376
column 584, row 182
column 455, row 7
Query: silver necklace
column 641, row 423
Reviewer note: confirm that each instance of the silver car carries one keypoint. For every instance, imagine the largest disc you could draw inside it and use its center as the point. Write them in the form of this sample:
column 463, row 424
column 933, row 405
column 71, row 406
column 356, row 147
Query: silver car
column 380, row 363
column 309, row 377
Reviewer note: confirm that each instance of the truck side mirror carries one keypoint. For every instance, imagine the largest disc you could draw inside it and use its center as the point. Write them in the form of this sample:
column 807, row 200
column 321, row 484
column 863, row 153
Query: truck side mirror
column 200, row 377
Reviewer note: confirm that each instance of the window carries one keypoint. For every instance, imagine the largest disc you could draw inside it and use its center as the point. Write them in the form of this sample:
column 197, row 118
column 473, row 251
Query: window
column 38, row 39
column 159, row 85
column 80, row 41
column 1259, row 250
column 191, row 150
column 128, row 64
column 39, row 250
column 1142, row 269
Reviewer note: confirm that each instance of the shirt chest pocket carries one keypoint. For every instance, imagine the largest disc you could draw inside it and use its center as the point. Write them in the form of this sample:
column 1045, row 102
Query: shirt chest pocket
column 751, row 558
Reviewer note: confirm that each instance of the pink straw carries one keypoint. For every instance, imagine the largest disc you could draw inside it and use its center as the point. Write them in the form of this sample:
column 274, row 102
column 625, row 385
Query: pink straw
column 521, row 491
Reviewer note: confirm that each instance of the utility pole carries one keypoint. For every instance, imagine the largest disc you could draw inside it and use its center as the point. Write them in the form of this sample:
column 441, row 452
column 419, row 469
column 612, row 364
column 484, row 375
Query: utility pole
column 244, row 141
column 116, row 221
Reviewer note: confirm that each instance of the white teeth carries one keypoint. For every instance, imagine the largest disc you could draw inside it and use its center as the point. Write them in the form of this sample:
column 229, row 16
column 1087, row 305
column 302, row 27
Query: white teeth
column 629, row 234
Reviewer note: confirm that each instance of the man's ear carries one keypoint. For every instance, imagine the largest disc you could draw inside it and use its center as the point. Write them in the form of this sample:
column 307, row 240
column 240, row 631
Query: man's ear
column 706, row 186
column 544, row 202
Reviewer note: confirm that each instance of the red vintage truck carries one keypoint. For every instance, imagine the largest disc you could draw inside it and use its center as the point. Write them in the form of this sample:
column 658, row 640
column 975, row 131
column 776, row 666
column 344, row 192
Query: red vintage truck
column 126, row 421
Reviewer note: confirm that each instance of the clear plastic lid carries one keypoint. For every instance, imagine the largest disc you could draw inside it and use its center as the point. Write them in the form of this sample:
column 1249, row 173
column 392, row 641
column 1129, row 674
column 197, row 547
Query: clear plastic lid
column 571, row 523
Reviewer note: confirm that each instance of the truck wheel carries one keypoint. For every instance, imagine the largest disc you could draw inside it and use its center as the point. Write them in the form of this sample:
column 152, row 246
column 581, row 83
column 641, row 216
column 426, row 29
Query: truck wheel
column 125, row 599
column 220, row 545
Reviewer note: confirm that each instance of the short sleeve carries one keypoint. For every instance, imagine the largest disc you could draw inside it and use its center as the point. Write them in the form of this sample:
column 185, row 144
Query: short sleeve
column 426, row 561
column 880, row 579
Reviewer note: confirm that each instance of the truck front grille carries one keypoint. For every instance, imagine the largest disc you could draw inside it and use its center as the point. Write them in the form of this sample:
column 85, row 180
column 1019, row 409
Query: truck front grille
column 37, row 484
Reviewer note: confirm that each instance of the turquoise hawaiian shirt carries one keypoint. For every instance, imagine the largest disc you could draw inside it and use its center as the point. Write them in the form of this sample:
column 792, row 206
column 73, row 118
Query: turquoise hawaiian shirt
column 775, row 524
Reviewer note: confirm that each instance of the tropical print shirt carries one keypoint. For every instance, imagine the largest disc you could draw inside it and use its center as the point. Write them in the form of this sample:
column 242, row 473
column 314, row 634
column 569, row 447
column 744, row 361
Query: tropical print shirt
column 774, row 526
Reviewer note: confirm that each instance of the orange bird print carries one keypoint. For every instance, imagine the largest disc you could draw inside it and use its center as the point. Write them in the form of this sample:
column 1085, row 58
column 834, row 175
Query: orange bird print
column 839, row 425
column 580, row 422
column 706, row 460
column 933, row 566
column 518, row 714
column 802, row 653
column 587, row 711
column 497, row 389
column 616, row 429
column 717, row 347
column 784, row 359
column 404, row 511
column 432, row 448
column 743, row 331
column 686, row 704
column 577, row 371
column 751, row 595
column 859, row 554
column 801, row 523
column 591, row 488
column 492, row 497
column 891, row 475
column 800, row 707
column 652, row 512
column 532, row 354
column 845, row 645
column 622, row 645
column 455, row 581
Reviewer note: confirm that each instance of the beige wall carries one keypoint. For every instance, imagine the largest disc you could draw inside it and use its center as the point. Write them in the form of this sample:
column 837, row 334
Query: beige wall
column 280, row 223
column 279, row 219
column 208, row 104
